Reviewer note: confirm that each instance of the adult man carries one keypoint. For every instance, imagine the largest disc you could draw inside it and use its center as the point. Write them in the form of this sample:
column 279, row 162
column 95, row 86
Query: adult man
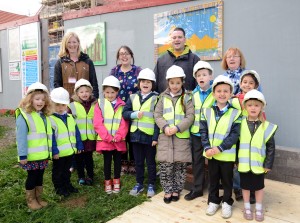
column 179, row 54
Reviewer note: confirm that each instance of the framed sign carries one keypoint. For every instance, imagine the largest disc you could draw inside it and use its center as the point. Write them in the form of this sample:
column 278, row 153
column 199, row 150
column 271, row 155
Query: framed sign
column 203, row 25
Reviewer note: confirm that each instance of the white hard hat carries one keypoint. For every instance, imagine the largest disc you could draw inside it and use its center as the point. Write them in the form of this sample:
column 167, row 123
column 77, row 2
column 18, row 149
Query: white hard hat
column 60, row 96
column 222, row 79
column 255, row 94
column 111, row 81
column 82, row 82
column 147, row 74
column 253, row 72
column 175, row 71
column 202, row 65
column 37, row 86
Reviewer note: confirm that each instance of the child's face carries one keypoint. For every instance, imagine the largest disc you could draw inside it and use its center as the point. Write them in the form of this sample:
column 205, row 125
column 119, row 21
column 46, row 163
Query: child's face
column 203, row 79
column 222, row 93
column 247, row 84
column 60, row 108
column 110, row 94
column 145, row 86
column 38, row 101
column 254, row 108
column 175, row 84
column 84, row 93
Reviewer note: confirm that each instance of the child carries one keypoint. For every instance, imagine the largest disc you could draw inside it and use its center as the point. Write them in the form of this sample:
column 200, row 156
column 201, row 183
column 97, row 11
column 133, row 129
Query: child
column 143, row 131
column 249, row 80
column 174, row 114
column 66, row 142
column 256, row 152
column 219, row 129
column 202, row 98
column 111, row 129
column 82, row 109
column 34, row 132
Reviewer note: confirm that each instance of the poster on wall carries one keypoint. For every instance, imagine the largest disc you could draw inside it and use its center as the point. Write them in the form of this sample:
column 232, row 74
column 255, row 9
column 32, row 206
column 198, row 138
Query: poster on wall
column 93, row 41
column 203, row 27
column 30, row 55
column 14, row 44
column 15, row 70
column 53, row 57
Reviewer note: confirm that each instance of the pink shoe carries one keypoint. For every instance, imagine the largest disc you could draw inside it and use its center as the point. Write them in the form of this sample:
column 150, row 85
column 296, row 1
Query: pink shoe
column 248, row 215
column 259, row 215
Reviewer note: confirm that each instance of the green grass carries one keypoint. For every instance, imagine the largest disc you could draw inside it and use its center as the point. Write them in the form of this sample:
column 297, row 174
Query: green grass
column 2, row 130
column 91, row 204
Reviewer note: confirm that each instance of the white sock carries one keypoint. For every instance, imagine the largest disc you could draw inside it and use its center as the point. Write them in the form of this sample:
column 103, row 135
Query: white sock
column 247, row 207
column 258, row 207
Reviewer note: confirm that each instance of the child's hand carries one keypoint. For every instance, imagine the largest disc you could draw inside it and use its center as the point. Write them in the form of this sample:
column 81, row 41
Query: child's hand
column 79, row 151
column 173, row 130
column 209, row 152
column 23, row 162
column 56, row 156
column 167, row 131
column 215, row 150
column 154, row 143
column 140, row 114
column 267, row 170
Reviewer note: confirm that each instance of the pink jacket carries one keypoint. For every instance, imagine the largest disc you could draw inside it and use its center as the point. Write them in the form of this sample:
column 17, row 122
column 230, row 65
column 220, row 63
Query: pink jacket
column 107, row 139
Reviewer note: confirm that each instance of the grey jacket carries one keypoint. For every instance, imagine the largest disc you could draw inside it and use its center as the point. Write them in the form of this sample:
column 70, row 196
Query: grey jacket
column 171, row 148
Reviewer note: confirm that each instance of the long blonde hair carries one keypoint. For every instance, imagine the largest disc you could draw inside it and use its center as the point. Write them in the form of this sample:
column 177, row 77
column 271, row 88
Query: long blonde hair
column 63, row 51
column 27, row 103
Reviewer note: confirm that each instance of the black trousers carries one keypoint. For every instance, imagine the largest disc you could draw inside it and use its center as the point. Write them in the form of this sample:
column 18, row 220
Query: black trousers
column 85, row 160
column 108, row 156
column 129, row 150
column 34, row 178
column 219, row 170
column 61, row 172
column 141, row 153
column 198, row 163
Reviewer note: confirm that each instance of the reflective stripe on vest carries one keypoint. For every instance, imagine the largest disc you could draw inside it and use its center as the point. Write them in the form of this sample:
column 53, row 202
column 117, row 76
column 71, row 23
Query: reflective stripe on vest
column 235, row 102
column 198, row 105
column 84, row 120
column 252, row 151
column 65, row 135
column 175, row 115
column 147, row 122
column 111, row 118
column 39, row 137
column 219, row 130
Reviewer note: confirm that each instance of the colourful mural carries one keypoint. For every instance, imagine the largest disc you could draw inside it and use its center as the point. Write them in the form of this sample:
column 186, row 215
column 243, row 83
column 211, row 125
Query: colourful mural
column 203, row 27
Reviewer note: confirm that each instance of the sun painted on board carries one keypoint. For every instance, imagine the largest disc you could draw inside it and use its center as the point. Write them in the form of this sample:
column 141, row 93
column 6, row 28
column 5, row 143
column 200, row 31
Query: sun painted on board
column 212, row 18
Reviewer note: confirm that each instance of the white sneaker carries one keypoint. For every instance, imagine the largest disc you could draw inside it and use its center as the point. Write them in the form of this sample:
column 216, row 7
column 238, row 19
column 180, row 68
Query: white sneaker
column 212, row 208
column 226, row 210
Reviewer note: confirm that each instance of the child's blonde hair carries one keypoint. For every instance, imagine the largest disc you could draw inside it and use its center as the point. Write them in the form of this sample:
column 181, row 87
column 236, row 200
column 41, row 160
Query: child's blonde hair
column 27, row 103
column 75, row 96
column 260, row 115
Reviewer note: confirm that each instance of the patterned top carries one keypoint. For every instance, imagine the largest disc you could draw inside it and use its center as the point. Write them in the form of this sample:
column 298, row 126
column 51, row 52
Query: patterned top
column 128, row 80
column 234, row 76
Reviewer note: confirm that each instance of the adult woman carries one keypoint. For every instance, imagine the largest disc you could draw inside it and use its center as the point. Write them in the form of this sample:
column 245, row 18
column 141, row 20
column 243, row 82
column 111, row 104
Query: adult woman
column 74, row 65
column 126, row 72
column 234, row 63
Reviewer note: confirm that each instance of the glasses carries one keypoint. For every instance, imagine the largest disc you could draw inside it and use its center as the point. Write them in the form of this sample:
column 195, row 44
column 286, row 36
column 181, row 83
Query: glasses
column 232, row 56
column 124, row 54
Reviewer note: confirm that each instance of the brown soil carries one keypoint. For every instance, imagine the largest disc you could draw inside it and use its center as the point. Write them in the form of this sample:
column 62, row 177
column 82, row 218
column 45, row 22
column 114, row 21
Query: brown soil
column 9, row 137
column 76, row 202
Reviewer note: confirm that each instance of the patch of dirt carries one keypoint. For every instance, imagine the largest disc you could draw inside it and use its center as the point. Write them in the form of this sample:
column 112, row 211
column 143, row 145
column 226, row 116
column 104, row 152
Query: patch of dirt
column 9, row 137
column 76, row 202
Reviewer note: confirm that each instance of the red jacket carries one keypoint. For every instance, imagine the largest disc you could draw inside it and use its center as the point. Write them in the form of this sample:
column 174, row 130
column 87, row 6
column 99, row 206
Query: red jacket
column 107, row 139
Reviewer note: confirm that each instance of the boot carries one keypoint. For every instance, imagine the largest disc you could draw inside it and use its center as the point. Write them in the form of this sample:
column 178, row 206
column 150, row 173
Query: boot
column 38, row 194
column 117, row 186
column 31, row 200
column 108, row 186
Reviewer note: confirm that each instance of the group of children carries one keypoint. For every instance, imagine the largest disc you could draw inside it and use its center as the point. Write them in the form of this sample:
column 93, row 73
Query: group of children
column 174, row 128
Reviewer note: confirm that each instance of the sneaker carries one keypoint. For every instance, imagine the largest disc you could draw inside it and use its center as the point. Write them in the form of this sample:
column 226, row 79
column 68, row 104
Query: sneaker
column 212, row 208
column 108, row 186
column 226, row 210
column 62, row 192
column 137, row 189
column 150, row 191
column 72, row 189
column 248, row 215
column 81, row 181
column 117, row 185
column 89, row 181
column 259, row 215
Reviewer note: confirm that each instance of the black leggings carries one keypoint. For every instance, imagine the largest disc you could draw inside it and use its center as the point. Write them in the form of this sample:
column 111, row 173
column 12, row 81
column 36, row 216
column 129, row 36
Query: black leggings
column 34, row 178
column 108, row 155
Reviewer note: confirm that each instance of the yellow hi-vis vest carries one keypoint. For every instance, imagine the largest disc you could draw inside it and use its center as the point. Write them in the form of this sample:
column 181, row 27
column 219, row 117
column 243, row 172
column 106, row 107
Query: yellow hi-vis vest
column 219, row 130
column 111, row 118
column 84, row 120
column 198, row 105
column 252, row 152
column 147, row 122
column 175, row 115
column 39, row 137
column 235, row 102
column 65, row 135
